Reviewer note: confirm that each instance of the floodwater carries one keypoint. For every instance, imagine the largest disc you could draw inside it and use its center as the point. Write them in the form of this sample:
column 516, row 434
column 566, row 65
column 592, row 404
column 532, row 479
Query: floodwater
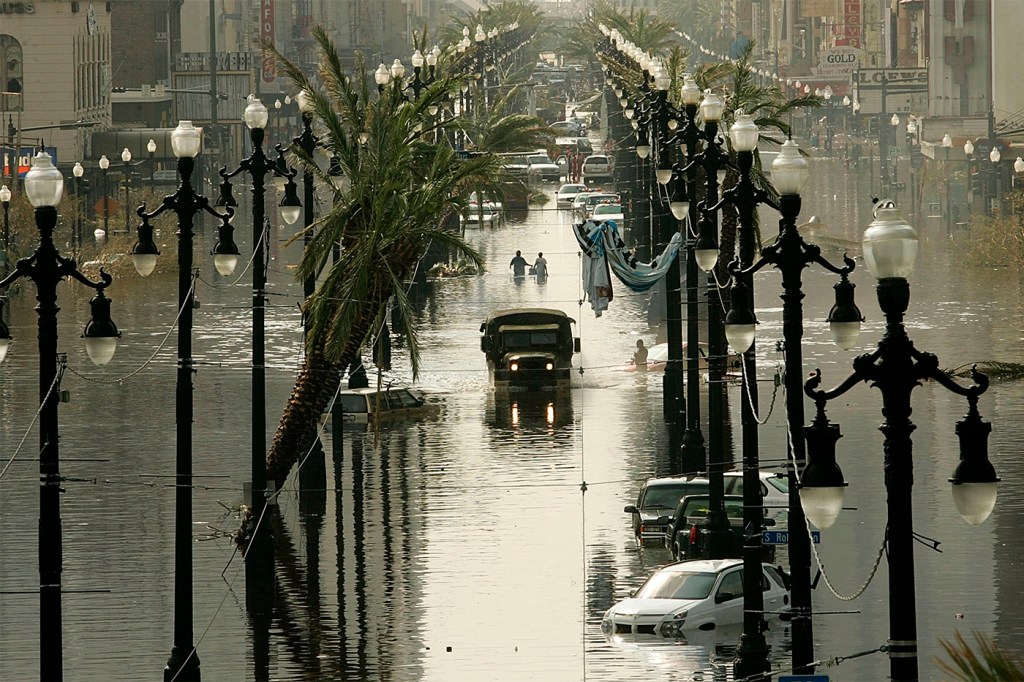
column 465, row 547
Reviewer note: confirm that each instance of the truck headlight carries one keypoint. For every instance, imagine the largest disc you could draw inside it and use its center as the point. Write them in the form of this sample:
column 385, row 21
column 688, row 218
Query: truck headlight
column 550, row 366
column 514, row 367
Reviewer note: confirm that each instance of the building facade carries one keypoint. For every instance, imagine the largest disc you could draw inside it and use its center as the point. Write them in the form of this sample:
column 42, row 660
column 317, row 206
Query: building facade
column 57, row 71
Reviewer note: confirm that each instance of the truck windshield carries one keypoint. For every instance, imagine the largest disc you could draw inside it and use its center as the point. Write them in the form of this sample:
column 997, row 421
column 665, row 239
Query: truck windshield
column 529, row 339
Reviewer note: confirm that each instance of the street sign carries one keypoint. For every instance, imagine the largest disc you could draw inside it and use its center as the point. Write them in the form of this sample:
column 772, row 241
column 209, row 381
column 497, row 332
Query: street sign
column 781, row 537
column 803, row 678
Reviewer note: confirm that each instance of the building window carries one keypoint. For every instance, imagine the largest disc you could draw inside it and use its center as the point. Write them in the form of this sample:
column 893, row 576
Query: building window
column 12, row 75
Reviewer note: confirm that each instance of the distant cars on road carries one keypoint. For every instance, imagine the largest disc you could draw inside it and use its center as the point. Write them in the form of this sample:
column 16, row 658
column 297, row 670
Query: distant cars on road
column 596, row 168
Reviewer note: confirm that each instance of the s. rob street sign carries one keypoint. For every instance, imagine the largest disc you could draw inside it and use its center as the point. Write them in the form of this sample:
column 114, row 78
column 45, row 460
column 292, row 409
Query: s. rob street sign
column 781, row 537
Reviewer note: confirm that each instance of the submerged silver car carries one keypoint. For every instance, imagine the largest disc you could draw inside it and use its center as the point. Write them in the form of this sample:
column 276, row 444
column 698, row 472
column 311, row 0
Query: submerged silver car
column 693, row 596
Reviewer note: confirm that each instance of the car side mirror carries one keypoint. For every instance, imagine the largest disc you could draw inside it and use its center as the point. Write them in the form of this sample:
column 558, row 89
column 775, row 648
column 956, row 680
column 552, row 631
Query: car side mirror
column 662, row 520
column 631, row 509
column 722, row 597
column 769, row 522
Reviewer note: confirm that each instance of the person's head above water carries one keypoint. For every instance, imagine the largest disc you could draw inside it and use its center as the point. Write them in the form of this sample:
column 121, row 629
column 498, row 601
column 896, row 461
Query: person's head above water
column 519, row 253
column 639, row 343
column 540, row 255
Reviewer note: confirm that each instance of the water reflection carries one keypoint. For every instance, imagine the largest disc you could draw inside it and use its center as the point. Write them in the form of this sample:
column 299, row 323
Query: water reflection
column 465, row 546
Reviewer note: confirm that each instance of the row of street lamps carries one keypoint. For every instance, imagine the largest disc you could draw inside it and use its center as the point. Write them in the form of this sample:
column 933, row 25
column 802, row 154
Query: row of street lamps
column 44, row 186
column 890, row 247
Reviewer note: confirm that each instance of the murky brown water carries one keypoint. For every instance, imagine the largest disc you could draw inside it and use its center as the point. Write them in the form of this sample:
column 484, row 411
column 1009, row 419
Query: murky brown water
column 462, row 548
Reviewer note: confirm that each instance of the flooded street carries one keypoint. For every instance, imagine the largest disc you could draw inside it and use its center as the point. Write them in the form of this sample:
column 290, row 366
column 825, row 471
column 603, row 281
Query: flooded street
column 486, row 542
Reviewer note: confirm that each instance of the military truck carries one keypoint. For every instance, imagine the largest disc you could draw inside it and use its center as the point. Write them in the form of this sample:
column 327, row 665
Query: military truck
column 529, row 349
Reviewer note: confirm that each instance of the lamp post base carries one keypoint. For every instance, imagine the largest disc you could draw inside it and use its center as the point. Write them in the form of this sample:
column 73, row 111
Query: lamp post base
column 752, row 658
column 181, row 667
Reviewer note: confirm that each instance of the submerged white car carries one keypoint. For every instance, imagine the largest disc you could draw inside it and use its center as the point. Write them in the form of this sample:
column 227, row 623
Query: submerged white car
column 693, row 596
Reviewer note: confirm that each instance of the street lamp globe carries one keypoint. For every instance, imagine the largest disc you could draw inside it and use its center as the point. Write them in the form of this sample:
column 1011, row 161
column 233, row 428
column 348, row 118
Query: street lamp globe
column 5, row 195
column 100, row 332
column 890, row 244
column 790, row 169
column 256, row 115
column 287, row 99
column 104, row 162
column 185, row 140
column 968, row 148
column 397, row 69
column 690, row 92
column 305, row 101
column 78, row 171
column 974, row 480
column 417, row 60
column 822, row 486
column 126, row 155
column 895, row 120
column 44, row 184
column 711, row 107
column 479, row 36
column 1018, row 165
column 744, row 133
column 277, row 103
column 151, row 146
column 947, row 141
column 679, row 202
column 846, row 100
column 994, row 156
column 381, row 75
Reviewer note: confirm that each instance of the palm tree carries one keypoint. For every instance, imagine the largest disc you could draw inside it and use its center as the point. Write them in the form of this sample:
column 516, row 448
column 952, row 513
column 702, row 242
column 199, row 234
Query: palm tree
column 989, row 664
column 400, row 191
column 768, row 106
column 649, row 32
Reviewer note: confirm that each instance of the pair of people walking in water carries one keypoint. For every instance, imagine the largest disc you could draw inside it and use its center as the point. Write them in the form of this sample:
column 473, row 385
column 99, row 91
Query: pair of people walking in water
column 539, row 267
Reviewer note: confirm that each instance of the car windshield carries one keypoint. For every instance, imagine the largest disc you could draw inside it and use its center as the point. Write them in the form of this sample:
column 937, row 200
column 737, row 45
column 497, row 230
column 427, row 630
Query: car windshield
column 570, row 189
column 667, row 496
column 677, row 585
column 540, row 158
column 780, row 483
column 608, row 209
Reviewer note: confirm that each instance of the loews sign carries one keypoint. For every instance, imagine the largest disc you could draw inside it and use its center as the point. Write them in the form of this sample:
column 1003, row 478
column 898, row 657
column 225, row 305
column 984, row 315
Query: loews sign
column 17, row 8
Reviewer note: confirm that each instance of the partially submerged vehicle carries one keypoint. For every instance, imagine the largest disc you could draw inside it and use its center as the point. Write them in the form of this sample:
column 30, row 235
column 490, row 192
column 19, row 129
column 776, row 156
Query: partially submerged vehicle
column 529, row 349
column 363, row 406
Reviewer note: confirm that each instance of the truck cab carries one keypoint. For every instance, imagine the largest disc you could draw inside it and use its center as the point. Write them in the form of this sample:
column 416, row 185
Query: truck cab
column 529, row 349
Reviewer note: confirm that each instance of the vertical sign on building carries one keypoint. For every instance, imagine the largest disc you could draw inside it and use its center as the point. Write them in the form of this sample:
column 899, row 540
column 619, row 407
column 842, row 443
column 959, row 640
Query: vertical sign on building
column 269, row 69
column 848, row 32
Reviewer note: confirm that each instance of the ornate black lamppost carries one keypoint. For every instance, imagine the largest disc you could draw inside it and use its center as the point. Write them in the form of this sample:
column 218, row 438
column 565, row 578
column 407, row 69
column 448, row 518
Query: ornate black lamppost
column 151, row 148
column 968, row 157
column 752, row 656
column 713, row 160
column 685, row 199
column 105, row 166
column 126, row 160
column 260, row 550
column 896, row 368
column 791, row 254
column 5, row 200
column 183, row 664
column 76, row 238
column 44, row 186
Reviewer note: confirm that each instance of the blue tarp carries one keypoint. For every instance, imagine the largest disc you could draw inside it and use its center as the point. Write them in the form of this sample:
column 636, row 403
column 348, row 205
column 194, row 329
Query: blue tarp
column 604, row 252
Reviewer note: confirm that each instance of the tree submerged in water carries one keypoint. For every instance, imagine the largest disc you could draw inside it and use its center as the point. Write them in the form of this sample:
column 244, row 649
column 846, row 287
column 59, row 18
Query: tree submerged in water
column 401, row 188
